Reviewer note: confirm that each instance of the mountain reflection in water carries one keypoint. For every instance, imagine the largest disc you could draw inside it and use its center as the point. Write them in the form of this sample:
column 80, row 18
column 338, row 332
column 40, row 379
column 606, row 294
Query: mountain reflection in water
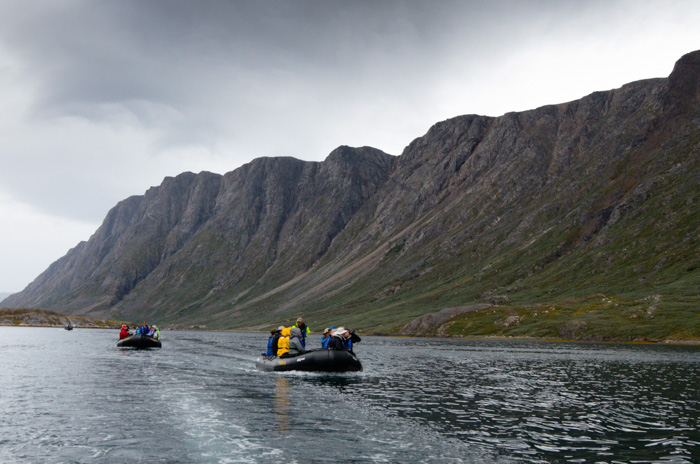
column 75, row 397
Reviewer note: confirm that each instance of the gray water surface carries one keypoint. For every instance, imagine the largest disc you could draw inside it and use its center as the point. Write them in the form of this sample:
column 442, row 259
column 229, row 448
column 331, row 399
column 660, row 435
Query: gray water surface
column 74, row 397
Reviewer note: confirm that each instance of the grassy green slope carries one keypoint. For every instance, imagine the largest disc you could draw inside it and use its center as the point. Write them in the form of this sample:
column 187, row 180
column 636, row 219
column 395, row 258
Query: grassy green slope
column 636, row 278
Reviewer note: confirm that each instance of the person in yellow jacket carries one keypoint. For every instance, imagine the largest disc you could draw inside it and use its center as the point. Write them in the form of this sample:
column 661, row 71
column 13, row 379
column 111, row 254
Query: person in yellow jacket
column 283, row 342
column 285, row 335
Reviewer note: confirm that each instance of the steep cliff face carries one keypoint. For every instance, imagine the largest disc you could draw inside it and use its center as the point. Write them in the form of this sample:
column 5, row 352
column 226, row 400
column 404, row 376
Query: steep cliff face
column 200, row 238
column 598, row 195
column 593, row 196
column 135, row 237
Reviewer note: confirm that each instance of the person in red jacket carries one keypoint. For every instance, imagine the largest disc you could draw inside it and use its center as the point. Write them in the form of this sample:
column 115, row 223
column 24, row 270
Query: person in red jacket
column 124, row 332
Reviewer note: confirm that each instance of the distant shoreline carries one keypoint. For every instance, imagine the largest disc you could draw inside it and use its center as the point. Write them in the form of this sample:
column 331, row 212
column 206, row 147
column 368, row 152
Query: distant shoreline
column 29, row 317
column 541, row 339
column 111, row 325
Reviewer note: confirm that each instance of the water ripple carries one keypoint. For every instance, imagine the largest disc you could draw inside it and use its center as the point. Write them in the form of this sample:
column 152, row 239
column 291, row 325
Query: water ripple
column 74, row 397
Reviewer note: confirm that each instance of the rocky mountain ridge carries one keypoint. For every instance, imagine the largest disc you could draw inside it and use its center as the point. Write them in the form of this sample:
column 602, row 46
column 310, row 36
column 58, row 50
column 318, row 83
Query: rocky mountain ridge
column 548, row 208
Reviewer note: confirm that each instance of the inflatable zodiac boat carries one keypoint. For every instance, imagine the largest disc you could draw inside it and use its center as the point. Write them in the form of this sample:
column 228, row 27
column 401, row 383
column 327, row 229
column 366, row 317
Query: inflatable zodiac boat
column 314, row 360
column 139, row 341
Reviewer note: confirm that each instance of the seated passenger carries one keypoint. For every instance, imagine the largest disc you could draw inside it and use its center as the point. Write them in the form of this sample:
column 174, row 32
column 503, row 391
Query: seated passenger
column 124, row 332
column 352, row 338
column 269, row 343
column 343, row 339
column 154, row 332
column 326, row 339
column 144, row 328
column 276, row 340
column 283, row 343
column 327, row 336
column 338, row 340
column 295, row 345
column 272, row 341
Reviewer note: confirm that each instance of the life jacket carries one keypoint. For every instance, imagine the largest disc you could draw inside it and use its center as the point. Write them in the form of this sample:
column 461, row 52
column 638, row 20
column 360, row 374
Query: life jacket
column 354, row 338
column 269, row 345
column 325, row 341
column 304, row 332
column 283, row 345
column 339, row 343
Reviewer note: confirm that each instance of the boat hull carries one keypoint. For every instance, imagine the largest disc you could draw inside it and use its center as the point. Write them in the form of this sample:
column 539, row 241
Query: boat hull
column 139, row 341
column 312, row 361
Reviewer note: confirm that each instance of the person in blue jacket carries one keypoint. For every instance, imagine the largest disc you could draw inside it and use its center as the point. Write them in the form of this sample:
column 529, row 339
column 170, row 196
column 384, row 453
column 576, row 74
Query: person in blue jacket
column 144, row 328
column 272, row 341
column 352, row 337
column 326, row 339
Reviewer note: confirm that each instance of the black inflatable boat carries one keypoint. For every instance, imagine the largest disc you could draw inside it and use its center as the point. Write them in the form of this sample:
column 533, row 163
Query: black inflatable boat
column 314, row 360
column 139, row 341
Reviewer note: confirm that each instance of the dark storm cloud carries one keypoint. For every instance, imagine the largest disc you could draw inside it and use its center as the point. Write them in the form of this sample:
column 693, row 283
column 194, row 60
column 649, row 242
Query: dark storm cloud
column 190, row 55
column 241, row 78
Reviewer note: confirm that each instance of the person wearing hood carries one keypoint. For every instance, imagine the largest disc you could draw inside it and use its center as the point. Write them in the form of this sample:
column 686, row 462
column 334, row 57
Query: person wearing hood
column 153, row 332
column 296, row 347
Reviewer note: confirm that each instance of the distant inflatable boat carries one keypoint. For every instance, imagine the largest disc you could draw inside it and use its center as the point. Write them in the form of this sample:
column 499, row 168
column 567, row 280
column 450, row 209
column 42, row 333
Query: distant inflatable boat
column 139, row 341
column 315, row 360
column 69, row 327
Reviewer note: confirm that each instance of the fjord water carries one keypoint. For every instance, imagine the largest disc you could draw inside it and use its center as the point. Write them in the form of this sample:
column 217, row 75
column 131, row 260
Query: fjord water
column 74, row 397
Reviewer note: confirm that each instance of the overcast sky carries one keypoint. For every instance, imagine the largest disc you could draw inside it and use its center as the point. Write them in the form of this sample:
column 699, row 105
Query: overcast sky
column 100, row 100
